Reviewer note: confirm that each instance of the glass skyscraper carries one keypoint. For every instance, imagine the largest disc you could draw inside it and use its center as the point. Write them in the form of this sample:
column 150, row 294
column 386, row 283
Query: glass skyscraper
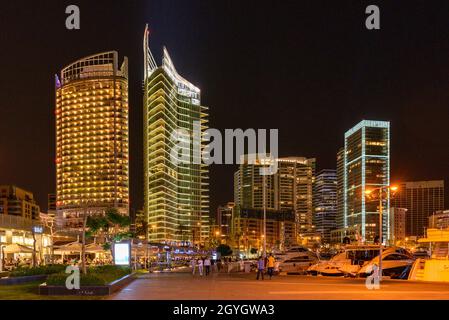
column 92, row 151
column 366, row 165
column 175, row 193
column 325, row 203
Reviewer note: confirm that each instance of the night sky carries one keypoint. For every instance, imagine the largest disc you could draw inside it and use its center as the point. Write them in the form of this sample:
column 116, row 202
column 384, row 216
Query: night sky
column 309, row 68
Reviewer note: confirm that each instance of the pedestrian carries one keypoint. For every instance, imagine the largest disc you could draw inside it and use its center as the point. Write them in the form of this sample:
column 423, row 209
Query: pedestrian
column 260, row 267
column 270, row 265
column 193, row 263
column 207, row 264
column 242, row 265
column 200, row 266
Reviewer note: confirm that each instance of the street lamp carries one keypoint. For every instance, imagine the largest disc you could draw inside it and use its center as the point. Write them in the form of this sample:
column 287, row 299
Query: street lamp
column 368, row 193
column 264, row 254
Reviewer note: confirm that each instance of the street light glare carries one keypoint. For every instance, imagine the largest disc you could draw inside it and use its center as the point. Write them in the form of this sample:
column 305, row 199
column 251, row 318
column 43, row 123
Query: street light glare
column 394, row 188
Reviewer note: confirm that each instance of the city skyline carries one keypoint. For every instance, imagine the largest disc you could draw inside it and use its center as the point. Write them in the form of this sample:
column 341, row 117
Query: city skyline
column 323, row 140
column 217, row 158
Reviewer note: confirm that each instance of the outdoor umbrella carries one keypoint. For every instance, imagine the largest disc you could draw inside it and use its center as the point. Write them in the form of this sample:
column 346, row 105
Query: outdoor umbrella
column 93, row 248
column 69, row 247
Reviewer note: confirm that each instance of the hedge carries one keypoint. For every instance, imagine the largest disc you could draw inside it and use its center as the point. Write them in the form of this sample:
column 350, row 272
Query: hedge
column 96, row 276
column 40, row 270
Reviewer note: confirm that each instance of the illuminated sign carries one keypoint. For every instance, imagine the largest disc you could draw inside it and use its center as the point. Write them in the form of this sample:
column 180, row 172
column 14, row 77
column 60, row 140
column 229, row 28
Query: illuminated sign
column 38, row 229
column 122, row 254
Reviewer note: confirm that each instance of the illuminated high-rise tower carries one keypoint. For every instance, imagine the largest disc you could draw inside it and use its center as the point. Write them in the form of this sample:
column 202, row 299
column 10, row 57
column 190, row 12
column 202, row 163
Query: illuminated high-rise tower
column 175, row 194
column 366, row 165
column 92, row 152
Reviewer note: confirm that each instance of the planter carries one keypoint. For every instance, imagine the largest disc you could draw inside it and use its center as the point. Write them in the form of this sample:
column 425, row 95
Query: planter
column 21, row 280
column 87, row 290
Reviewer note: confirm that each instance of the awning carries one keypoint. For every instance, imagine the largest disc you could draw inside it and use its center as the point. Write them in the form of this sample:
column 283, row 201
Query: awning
column 17, row 248
column 70, row 247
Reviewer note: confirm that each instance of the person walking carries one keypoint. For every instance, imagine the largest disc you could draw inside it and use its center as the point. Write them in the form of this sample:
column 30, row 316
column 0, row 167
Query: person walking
column 200, row 266
column 270, row 265
column 193, row 263
column 207, row 265
column 260, row 267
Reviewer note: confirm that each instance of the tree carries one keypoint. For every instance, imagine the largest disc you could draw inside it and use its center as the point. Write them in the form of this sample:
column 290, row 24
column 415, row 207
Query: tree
column 111, row 227
column 211, row 243
column 49, row 222
column 224, row 250
column 141, row 223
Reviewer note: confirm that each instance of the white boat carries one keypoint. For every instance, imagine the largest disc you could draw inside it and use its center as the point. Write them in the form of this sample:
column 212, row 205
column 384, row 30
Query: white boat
column 435, row 268
column 298, row 263
column 394, row 262
column 329, row 267
column 294, row 252
column 299, row 250
column 347, row 263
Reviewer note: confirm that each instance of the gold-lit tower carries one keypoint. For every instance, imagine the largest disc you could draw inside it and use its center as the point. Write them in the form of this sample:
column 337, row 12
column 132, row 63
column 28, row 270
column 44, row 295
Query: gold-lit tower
column 92, row 147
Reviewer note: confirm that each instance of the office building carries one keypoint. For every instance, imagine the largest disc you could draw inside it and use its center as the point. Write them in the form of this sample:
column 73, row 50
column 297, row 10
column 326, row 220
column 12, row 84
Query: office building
column 325, row 203
column 296, row 176
column 280, row 229
column 439, row 220
column 248, row 186
column 92, row 162
column 17, row 202
column 289, row 189
column 175, row 192
column 51, row 205
column 224, row 218
column 398, row 218
column 421, row 199
column 366, row 166
column 340, row 221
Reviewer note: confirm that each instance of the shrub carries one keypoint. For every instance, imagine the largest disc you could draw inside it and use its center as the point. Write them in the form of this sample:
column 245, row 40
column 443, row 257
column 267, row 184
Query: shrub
column 41, row 270
column 96, row 276
column 59, row 279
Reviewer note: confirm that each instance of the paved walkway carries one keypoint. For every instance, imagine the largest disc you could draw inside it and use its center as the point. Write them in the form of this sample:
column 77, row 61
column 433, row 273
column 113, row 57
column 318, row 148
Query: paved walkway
column 184, row 286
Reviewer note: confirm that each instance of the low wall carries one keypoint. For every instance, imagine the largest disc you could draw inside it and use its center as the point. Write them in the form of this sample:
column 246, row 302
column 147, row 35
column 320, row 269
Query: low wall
column 20, row 280
column 87, row 290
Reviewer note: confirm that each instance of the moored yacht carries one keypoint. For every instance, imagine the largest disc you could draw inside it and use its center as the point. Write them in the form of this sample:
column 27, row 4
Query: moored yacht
column 394, row 262
column 435, row 268
column 355, row 257
column 346, row 263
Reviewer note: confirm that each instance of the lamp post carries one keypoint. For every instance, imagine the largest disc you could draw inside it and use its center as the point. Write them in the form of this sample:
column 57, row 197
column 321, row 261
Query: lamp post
column 264, row 252
column 381, row 190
